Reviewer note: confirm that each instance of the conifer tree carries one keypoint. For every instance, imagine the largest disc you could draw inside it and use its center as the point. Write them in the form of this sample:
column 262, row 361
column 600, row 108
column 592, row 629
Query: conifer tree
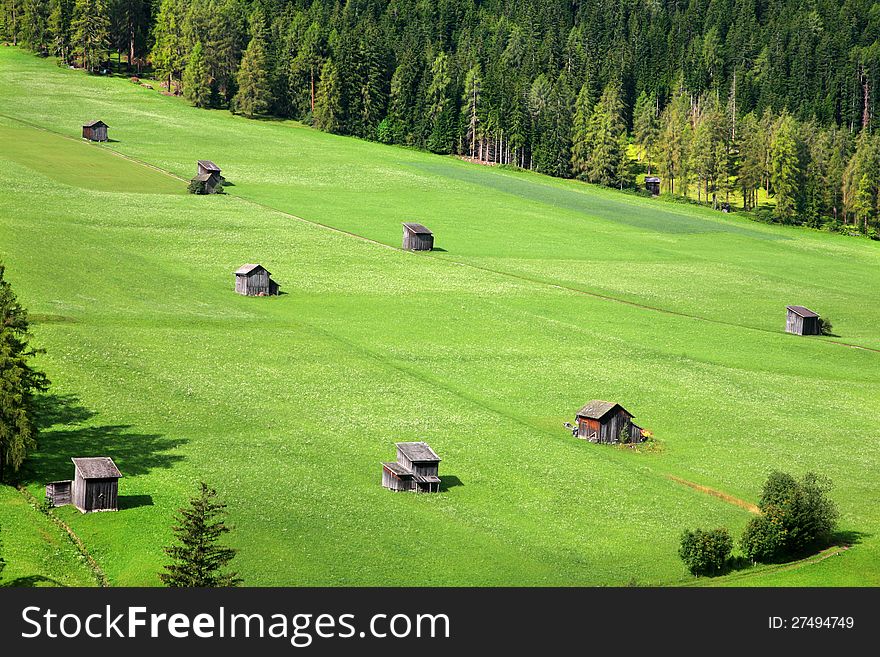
column 254, row 96
column 61, row 30
column 674, row 144
column 328, row 103
column 441, row 110
column 646, row 126
column 605, row 164
column 19, row 382
column 197, row 559
column 168, row 53
column 785, row 170
column 91, row 32
column 580, row 144
column 471, row 109
column 196, row 79
column 35, row 26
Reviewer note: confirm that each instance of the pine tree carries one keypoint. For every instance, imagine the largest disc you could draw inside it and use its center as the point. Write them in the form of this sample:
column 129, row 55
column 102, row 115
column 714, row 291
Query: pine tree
column 471, row 109
column 605, row 164
column 60, row 27
column 580, row 143
column 785, row 170
column 196, row 80
column 197, row 558
column 254, row 96
column 864, row 165
column 328, row 103
column 35, row 25
column 91, row 32
column 646, row 126
column 674, row 144
column 441, row 110
column 168, row 53
column 18, row 382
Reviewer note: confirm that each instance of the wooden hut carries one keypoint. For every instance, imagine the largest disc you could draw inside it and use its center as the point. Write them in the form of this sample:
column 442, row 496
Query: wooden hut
column 206, row 166
column 802, row 321
column 255, row 281
column 417, row 238
column 204, row 183
column 95, row 131
column 605, row 422
column 415, row 469
column 652, row 184
column 96, row 484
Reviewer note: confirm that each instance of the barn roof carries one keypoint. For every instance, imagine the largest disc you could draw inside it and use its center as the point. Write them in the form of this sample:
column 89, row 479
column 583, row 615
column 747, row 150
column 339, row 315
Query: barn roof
column 803, row 312
column 398, row 469
column 210, row 166
column 418, row 452
column 244, row 270
column 204, row 177
column 426, row 479
column 100, row 467
column 418, row 229
column 598, row 409
column 652, row 179
column 96, row 122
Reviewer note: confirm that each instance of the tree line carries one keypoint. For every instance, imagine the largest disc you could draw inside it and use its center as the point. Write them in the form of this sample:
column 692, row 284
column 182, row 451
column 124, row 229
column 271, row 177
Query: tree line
column 718, row 96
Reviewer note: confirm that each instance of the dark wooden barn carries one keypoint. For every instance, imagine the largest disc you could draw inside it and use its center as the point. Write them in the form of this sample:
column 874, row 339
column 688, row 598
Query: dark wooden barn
column 415, row 469
column 255, row 281
column 652, row 184
column 59, row 493
column 206, row 166
column 95, row 131
column 417, row 238
column 204, row 183
column 603, row 422
column 94, row 487
column 802, row 321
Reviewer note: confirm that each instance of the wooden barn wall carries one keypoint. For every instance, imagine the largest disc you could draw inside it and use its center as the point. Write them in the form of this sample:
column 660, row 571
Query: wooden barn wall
column 426, row 469
column 415, row 242
column 100, row 494
column 59, row 493
column 794, row 323
column 79, row 491
column 403, row 460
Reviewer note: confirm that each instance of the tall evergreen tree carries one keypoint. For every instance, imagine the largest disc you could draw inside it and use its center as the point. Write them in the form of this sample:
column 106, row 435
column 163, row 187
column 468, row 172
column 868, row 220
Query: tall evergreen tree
column 197, row 559
column 19, row 382
column 785, row 170
column 606, row 162
column 471, row 110
column 35, row 26
column 254, row 96
column 646, row 126
column 61, row 29
column 328, row 103
column 581, row 146
column 196, row 79
column 169, row 47
column 91, row 32
column 441, row 109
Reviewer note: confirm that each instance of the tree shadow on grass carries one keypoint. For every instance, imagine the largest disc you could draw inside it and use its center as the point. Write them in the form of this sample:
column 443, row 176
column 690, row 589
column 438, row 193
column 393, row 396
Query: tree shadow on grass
column 61, row 438
column 134, row 501
column 29, row 581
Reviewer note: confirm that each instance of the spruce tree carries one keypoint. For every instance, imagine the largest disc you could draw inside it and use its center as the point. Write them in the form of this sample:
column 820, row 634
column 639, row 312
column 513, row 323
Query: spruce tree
column 254, row 96
column 646, row 126
column 440, row 107
column 785, row 170
column 35, row 26
column 91, row 32
column 198, row 560
column 19, row 382
column 196, row 79
column 580, row 142
column 61, row 30
column 168, row 54
column 328, row 102
column 605, row 164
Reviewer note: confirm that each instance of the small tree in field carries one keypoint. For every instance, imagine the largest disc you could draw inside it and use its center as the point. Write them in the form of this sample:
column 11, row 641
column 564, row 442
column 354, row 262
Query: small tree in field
column 705, row 552
column 19, row 382
column 197, row 559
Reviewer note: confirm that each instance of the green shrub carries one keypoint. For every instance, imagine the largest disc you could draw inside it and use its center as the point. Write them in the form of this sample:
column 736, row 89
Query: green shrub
column 796, row 516
column 705, row 552
column 825, row 326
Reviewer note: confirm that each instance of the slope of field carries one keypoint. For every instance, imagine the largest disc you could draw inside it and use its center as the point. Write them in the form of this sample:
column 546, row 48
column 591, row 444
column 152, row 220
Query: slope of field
column 37, row 553
column 548, row 293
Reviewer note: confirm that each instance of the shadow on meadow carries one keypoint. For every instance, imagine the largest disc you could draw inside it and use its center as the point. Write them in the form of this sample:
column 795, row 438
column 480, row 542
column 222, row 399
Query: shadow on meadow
column 61, row 437
column 29, row 581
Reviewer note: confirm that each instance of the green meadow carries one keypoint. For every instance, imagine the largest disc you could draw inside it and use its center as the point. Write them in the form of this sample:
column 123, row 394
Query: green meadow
column 542, row 295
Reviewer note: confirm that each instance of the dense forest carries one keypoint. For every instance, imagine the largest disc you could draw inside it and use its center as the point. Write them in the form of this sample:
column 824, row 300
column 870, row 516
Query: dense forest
column 717, row 97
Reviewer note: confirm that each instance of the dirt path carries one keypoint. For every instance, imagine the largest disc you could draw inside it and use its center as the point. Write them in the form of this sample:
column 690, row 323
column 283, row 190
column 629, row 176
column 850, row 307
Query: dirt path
column 730, row 499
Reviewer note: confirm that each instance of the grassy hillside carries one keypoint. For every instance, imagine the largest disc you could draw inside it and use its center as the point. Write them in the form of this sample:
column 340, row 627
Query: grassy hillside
column 546, row 294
